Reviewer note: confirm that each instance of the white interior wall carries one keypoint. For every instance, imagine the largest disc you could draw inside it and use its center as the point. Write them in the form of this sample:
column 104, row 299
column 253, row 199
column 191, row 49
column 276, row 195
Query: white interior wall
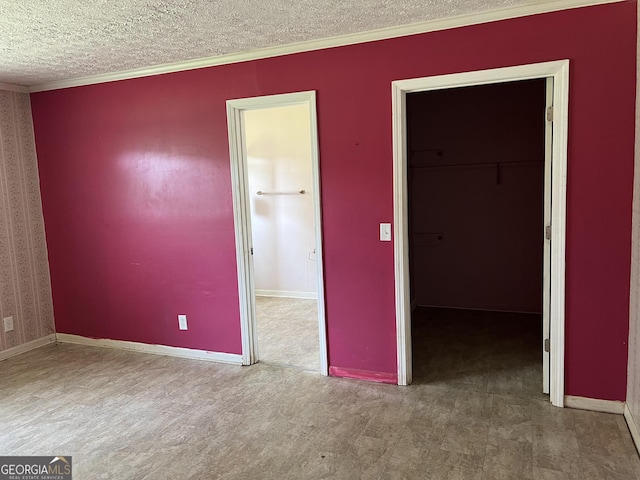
column 279, row 160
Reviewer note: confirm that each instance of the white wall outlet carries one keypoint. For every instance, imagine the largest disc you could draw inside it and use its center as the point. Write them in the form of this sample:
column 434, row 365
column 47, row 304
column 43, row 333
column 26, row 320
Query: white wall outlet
column 385, row 232
column 182, row 322
column 8, row 324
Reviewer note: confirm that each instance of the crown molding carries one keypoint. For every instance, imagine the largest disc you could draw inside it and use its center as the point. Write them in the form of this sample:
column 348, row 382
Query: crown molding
column 339, row 41
column 14, row 88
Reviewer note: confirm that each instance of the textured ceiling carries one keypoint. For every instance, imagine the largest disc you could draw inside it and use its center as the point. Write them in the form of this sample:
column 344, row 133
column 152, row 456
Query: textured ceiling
column 43, row 41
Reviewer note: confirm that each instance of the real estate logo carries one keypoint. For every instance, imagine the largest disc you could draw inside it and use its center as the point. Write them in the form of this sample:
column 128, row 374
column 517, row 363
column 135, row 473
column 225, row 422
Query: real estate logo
column 35, row 468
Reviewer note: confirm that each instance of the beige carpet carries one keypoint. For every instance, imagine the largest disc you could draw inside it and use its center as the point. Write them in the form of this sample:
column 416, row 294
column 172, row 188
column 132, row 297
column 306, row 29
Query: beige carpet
column 490, row 352
column 132, row 416
column 288, row 332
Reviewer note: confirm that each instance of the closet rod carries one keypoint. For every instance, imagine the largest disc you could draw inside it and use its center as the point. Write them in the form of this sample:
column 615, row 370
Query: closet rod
column 299, row 192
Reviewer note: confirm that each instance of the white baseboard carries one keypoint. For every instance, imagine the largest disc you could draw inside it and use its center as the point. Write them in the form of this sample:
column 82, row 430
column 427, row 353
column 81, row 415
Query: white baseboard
column 594, row 404
column 25, row 347
column 633, row 428
column 219, row 357
column 286, row 294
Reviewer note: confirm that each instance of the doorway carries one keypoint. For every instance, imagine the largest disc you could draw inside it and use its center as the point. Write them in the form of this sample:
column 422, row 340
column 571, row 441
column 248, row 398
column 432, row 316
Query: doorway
column 274, row 163
column 552, row 174
column 476, row 158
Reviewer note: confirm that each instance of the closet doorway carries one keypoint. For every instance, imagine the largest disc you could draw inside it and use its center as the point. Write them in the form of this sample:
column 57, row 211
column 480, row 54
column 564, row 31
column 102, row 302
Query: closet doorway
column 474, row 217
column 274, row 162
column 476, row 158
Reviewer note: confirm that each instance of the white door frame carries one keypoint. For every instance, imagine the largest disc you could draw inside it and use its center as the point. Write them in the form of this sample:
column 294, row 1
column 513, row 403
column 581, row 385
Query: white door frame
column 546, row 254
column 559, row 71
column 242, row 216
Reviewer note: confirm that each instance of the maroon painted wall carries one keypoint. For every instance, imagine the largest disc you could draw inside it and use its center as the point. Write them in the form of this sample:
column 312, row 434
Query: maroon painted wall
column 137, row 192
column 476, row 232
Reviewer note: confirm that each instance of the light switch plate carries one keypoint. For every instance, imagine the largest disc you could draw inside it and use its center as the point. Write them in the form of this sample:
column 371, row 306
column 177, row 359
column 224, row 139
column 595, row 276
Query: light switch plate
column 182, row 322
column 8, row 324
column 385, row 232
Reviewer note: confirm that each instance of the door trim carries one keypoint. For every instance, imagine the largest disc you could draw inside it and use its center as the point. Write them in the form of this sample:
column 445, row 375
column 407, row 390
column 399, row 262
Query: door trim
column 546, row 253
column 242, row 216
column 559, row 71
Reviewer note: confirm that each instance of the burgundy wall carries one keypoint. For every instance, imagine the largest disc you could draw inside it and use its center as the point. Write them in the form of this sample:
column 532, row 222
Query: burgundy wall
column 137, row 193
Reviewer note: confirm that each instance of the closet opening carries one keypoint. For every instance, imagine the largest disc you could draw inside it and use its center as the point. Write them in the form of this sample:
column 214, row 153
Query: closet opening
column 553, row 79
column 476, row 181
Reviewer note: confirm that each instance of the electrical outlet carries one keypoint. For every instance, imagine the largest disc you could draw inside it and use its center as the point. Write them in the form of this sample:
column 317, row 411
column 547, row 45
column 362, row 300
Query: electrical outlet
column 182, row 322
column 8, row 324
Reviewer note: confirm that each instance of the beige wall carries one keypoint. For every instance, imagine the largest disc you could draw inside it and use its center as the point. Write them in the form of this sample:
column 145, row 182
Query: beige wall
column 633, row 383
column 25, row 290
